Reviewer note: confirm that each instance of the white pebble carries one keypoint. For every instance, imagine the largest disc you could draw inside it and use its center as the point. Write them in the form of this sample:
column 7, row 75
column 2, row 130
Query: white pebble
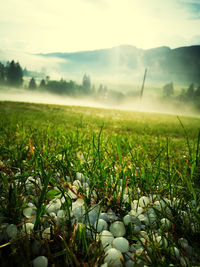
column 144, row 219
column 137, row 211
column 61, row 214
column 111, row 215
column 40, row 261
column 131, row 219
column 162, row 241
column 106, row 238
column 136, row 229
column 134, row 204
column 77, row 183
column 183, row 242
column 166, row 224
column 183, row 262
column 129, row 263
column 28, row 227
column 176, row 253
column 29, row 212
column 104, row 216
column 107, row 248
column 117, row 229
column 121, row 244
column 11, row 231
column 144, row 201
column 101, row 225
column 73, row 194
column 53, row 206
column 127, row 219
column 114, row 258
column 46, row 233
column 80, row 176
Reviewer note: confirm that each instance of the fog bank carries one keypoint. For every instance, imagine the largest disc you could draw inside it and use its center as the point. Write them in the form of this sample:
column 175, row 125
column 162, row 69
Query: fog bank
column 147, row 104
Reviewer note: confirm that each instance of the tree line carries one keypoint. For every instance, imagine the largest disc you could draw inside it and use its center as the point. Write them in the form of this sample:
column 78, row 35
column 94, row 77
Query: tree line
column 12, row 74
column 190, row 94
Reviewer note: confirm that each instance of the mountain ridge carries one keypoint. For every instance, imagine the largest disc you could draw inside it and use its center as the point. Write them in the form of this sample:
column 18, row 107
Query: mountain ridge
column 163, row 63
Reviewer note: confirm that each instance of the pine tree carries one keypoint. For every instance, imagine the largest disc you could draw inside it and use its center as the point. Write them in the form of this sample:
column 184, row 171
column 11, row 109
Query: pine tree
column 86, row 84
column 42, row 83
column 2, row 73
column 32, row 84
column 14, row 74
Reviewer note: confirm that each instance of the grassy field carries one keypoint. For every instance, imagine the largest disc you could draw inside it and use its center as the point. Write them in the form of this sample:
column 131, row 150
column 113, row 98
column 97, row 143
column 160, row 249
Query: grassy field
column 122, row 156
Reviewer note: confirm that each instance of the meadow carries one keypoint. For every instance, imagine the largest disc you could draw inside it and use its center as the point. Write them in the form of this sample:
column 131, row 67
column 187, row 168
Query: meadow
column 98, row 164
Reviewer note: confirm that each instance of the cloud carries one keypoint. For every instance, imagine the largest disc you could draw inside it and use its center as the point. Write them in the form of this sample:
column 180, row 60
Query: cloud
column 98, row 3
column 193, row 8
column 48, row 26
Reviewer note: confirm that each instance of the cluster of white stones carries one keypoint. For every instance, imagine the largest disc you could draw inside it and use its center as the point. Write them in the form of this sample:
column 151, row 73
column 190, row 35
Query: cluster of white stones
column 106, row 225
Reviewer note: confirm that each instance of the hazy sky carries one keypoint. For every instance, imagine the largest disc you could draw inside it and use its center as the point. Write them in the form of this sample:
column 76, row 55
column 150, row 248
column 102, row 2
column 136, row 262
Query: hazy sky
column 70, row 25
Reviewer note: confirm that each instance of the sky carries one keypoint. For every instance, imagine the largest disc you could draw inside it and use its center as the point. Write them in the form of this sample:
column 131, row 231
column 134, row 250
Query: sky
column 43, row 26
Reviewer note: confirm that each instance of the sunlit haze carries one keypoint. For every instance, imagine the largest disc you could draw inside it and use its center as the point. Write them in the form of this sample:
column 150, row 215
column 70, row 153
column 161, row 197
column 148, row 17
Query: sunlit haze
column 65, row 25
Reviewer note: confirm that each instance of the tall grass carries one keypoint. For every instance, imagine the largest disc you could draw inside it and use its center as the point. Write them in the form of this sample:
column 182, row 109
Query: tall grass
column 120, row 152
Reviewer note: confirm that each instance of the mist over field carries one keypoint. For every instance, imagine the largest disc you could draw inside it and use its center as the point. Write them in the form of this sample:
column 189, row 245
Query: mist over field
column 149, row 103
column 108, row 78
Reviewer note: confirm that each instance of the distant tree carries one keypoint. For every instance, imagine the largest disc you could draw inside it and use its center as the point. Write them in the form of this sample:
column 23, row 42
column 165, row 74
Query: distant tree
column 168, row 89
column 42, row 83
column 100, row 90
column 190, row 91
column 2, row 73
column 25, row 72
column 86, row 84
column 32, row 84
column 14, row 73
column 197, row 92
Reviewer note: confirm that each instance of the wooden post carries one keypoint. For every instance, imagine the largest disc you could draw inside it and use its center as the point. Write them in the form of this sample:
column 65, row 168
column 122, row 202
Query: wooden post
column 142, row 89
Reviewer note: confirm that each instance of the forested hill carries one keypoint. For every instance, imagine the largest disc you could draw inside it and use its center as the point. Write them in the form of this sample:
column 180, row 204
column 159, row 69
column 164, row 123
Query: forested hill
column 179, row 65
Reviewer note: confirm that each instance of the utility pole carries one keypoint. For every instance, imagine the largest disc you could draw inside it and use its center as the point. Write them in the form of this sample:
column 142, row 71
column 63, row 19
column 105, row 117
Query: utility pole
column 142, row 89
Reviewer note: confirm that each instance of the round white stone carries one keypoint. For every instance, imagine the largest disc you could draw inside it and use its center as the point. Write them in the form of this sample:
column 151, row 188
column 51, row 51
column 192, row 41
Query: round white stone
column 40, row 261
column 29, row 212
column 106, row 238
column 121, row 244
column 183, row 242
column 61, row 214
column 101, row 225
column 54, row 206
column 136, row 229
column 134, row 204
column 104, row 216
column 162, row 241
column 114, row 258
column 107, row 248
column 176, row 253
column 28, row 227
column 127, row 219
column 80, row 176
column 137, row 211
column 129, row 263
column 144, row 219
column 11, row 231
column 111, row 215
column 166, row 224
column 117, row 229
column 144, row 201
column 46, row 233
column 77, row 183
